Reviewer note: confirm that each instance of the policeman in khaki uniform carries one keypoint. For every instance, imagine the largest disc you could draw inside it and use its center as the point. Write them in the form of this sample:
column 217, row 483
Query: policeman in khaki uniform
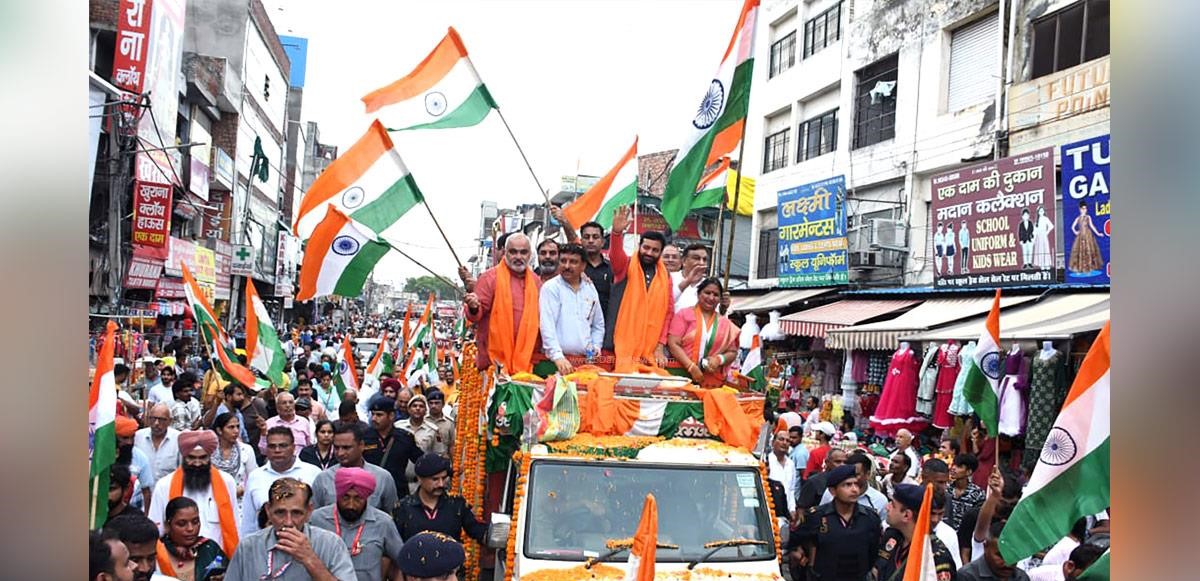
column 902, row 514
column 838, row 540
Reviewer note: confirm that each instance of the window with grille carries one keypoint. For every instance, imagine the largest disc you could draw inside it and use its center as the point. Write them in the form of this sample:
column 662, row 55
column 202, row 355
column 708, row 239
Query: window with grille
column 783, row 54
column 1073, row 35
column 875, row 102
column 823, row 30
column 817, row 136
column 768, row 253
column 775, row 151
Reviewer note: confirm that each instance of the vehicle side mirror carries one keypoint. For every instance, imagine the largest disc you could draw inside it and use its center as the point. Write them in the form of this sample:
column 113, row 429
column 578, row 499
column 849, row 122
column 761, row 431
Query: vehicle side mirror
column 497, row 535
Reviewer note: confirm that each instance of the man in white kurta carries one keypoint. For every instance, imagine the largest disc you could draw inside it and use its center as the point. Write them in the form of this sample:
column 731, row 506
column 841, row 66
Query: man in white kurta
column 200, row 445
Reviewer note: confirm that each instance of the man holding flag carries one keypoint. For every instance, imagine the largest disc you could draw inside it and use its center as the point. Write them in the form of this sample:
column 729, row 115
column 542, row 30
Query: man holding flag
column 909, row 549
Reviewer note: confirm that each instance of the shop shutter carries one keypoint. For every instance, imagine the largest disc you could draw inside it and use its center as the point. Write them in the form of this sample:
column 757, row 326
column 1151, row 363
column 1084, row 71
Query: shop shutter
column 974, row 51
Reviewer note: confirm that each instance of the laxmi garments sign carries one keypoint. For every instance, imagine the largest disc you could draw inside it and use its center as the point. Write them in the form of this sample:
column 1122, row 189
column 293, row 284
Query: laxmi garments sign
column 812, row 234
column 151, row 214
column 1087, row 230
column 993, row 223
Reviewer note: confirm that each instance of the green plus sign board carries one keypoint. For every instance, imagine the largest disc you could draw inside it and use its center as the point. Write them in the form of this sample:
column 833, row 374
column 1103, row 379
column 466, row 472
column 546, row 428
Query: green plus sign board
column 242, row 263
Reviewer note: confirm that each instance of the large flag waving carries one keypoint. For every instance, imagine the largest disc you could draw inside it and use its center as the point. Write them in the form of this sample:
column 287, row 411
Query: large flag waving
column 443, row 92
column 264, row 352
column 338, row 258
column 920, row 565
column 617, row 188
column 370, row 183
column 102, row 418
column 981, row 388
column 223, row 357
column 717, row 127
column 1071, row 479
column 645, row 542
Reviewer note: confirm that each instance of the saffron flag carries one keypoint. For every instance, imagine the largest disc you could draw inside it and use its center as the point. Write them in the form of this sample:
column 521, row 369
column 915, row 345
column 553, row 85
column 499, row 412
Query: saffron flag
column 716, row 129
column 264, row 352
column 369, row 183
column 338, row 258
column 617, row 188
column 443, row 92
column 920, row 565
column 102, row 418
column 1072, row 478
column 981, row 388
column 645, row 543
column 346, row 377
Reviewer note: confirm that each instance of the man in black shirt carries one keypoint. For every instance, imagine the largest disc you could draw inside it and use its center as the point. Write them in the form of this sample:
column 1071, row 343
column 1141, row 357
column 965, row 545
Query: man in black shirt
column 814, row 488
column 387, row 447
column 839, row 540
column 431, row 509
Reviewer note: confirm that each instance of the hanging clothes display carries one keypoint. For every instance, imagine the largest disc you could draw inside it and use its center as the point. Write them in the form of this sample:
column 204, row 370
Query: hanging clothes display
column 858, row 366
column 1047, row 390
column 959, row 405
column 897, row 405
column 877, row 367
column 948, row 366
column 1012, row 393
column 928, row 382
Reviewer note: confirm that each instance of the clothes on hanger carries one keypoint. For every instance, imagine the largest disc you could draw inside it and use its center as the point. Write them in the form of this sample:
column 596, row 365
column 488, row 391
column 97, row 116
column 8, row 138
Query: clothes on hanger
column 959, row 405
column 897, row 405
column 1013, row 387
column 948, row 363
column 1047, row 391
column 928, row 381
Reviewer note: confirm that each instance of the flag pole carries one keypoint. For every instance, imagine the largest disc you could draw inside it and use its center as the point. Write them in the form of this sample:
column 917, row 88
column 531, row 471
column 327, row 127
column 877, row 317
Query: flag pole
column 545, row 195
column 717, row 254
column 440, row 231
column 95, row 499
column 418, row 263
column 737, row 195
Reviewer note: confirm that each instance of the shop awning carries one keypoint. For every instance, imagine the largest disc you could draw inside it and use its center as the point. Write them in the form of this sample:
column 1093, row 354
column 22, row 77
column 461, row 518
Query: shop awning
column 929, row 314
column 817, row 322
column 1055, row 317
column 774, row 299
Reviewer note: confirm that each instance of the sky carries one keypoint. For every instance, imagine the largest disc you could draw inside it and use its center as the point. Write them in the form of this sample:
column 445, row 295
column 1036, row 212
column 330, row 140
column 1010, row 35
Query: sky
column 576, row 80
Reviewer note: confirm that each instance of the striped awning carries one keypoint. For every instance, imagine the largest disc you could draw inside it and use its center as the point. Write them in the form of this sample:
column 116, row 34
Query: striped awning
column 928, row 315
column 817, row 322
column 1055, row 317
column 772, row 300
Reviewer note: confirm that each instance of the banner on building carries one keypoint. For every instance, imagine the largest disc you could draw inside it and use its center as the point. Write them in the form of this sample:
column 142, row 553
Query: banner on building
column 133, row 44
column 647, row 221
column 151, row 214
column 222, row 174
column 164, row 56
column 993, row 223
column 1087, row 230
column 222, row 252
column 199, row 260
column 812, row 234
column 144, row 272
column 241, row 262
column 285, row 264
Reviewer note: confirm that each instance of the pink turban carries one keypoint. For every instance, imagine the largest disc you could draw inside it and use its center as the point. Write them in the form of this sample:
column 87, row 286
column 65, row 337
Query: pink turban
column 356, row 478
column 189, row 440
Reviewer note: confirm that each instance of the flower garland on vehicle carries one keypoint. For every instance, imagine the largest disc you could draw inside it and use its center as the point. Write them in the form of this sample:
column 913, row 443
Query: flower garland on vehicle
column 510, row 557
column 762, row 471
column 603, row 446
column 468, row 458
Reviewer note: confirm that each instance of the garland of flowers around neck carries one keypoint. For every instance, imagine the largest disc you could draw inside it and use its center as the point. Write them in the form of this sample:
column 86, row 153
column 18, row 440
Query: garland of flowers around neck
column 510, row 557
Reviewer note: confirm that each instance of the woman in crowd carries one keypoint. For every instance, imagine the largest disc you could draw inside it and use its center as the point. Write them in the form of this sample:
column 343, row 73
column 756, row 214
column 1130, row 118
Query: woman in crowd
column 703, row 341
column 233, row 456
column 182, row 552
column 321, row 453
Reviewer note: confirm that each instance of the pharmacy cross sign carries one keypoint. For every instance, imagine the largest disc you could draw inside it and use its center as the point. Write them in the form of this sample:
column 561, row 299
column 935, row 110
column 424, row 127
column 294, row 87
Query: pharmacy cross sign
column 242, row 254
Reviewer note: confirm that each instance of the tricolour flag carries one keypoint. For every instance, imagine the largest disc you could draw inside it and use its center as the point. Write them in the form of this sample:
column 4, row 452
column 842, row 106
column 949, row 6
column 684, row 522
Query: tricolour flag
column 645, row 544
column 102, row 418
column 377, row 365
column 716, row 130
column 415, row 358
column 981, row 388
column 1071, row 479
column 443, row 92
column 369, row 183
column 752, row 367
column 713, row 188
column 346, row 377
column 338, row 258
column 617, row 188
column 264, row 352
column 223, row 357
column 920, row 565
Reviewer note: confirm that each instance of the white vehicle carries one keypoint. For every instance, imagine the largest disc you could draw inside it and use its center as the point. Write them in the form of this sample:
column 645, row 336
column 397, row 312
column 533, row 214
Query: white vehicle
column 366, row 348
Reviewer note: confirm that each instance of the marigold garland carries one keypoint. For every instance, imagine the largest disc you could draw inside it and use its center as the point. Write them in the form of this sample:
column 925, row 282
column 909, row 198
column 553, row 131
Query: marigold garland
column 510, row 555
column 762, row 470
column 468, row 457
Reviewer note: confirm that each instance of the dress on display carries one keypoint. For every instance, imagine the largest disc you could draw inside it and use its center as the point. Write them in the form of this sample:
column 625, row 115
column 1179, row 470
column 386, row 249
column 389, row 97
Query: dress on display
column 1012, row 394
column 928, row 383
column 958, row 403
column 948, row 365
column 877, row 367
column 1043, row 258
column 1085, row 253
column 858, row 366
column 898, row 404
column 1047, row 391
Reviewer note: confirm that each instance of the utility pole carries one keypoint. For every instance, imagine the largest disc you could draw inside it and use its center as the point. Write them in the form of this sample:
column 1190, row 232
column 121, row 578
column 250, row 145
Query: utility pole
column 117, row 188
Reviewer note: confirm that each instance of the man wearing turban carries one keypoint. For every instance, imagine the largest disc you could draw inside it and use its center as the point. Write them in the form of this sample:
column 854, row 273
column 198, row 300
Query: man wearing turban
column 213, row 490
column 367, row 532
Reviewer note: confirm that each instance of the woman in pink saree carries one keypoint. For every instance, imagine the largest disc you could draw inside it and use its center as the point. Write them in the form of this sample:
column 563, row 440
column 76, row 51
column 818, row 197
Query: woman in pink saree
column 702, row 342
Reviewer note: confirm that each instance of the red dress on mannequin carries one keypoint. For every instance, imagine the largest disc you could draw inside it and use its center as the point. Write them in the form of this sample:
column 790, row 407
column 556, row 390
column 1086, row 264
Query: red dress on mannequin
column 948, row 368
column 898, row 404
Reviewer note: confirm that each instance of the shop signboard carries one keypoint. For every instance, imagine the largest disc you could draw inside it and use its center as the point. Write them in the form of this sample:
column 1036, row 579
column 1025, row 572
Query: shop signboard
column 133, row 44
column 285, row 264
column 151, row 214
column 144, row 272
column 169, row 288
column 1087, row 230
column 812, row 234
column 241, row 262
column 993, row 223
column 647, row 221
column 222, row 174
column 222, row 253
column 199, row 260
column 215, row 216
column 199, row 183
column 164, row 56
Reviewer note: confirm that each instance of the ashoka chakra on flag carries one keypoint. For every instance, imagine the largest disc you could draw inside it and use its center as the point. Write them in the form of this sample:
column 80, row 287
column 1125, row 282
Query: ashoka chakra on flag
column 710, row 106
column 345, row 245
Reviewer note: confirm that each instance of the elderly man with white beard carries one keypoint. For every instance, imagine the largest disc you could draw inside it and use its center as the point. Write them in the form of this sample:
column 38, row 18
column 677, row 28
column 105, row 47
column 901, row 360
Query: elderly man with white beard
column 504, row 305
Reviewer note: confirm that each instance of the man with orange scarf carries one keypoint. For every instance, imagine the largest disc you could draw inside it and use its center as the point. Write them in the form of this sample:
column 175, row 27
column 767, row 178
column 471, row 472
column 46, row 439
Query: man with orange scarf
column 639, row 313
column 504, row 306
column 213, row 490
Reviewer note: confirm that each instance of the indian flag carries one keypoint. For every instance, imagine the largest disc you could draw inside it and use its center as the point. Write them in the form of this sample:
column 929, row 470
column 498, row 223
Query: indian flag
column 339, row 257
column 752, row 367
column 369, row 183
column 617, row 188
column 713, row 187
column 263, row 349
column 443, row 92
column 416, row 355
column 716, row 129
column 102, row 417
column 223, row 357
column 981, row 388
column 1071, row 479
column 377, row 365
column 920, row 565
column 346, row 377
column 645, row 544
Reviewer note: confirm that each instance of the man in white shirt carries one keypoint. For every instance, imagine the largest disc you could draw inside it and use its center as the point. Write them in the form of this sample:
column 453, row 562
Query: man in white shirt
column 153, row 387
column 685, row 281
column 571, row 320
column 281, row 463
column 897, row 474
column 198, row 480
column 1080, row 558
column 781, row 468
column 159, row 442
column 904, row 440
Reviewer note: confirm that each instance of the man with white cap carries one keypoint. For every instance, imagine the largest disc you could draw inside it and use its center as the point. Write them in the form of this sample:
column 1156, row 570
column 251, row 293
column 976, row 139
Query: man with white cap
column 823, row 432
column 213, row 490
column 368, row 532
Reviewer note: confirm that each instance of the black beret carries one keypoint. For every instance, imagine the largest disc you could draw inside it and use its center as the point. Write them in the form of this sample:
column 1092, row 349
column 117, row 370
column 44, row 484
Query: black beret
column 430, row 554
column 433, row 394
column 383, row 404
column 839, row 475
column 429, row 464
column 909, row 495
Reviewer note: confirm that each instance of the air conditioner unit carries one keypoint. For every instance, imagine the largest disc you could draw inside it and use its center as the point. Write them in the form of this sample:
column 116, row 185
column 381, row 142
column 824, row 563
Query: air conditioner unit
column 889, row 234
column 858, row 238
column 864, row 259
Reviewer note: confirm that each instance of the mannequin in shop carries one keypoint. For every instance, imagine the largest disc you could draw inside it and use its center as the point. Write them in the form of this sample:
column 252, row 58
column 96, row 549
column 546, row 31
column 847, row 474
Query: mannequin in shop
column 1047, row 390
column 1012, row 392
column 1047, row 350
column 898, row 402
column 928, row 382
column 948, row 367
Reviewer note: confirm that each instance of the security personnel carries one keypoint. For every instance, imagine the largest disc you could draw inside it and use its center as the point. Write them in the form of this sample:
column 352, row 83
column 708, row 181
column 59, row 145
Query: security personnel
column 432, row 509
column 839, row 540
column 431, row 555
column 387, row 447
column 902, row 513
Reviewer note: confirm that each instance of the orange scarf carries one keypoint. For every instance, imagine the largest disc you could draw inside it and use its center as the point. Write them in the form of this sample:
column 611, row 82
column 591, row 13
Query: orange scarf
column 513, row 348
column 641, row 315
column 229, row 532
column 164, row 560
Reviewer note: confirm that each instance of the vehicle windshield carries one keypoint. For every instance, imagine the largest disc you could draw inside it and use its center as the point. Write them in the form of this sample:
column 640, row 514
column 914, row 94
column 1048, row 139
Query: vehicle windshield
column 574, row 509
column 367, row 349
